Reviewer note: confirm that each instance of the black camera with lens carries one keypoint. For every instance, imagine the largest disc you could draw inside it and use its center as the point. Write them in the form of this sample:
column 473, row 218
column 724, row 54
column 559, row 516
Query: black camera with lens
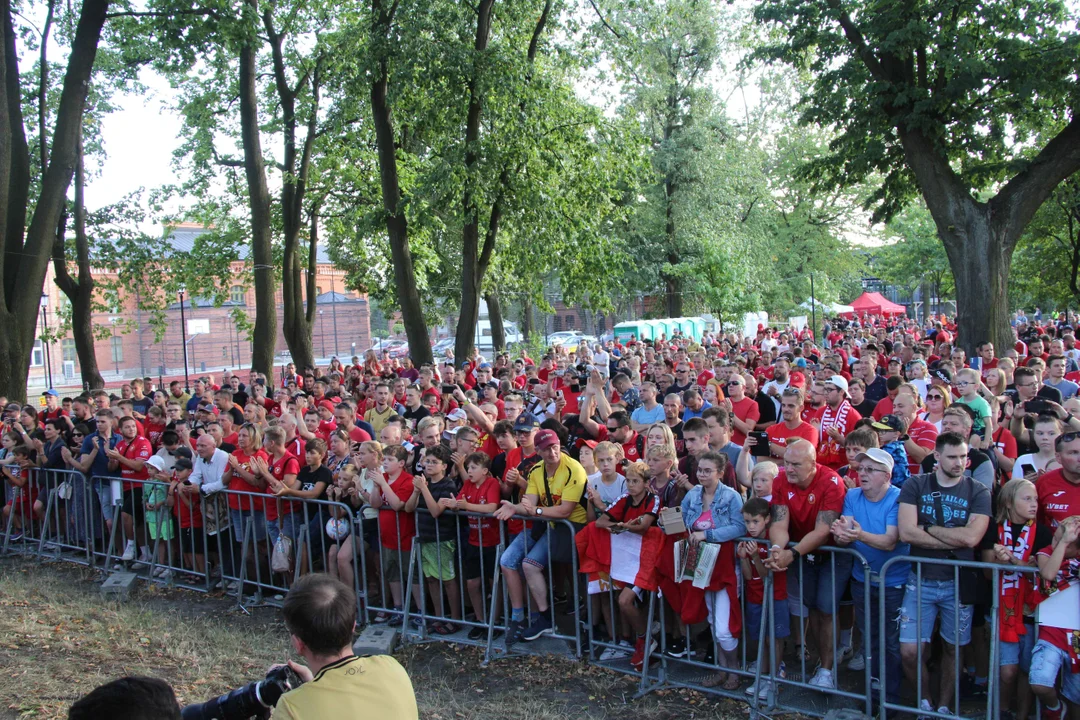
column 254, row 700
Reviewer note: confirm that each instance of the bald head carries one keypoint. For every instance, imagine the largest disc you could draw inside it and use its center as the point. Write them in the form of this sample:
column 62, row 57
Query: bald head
column 800, row 462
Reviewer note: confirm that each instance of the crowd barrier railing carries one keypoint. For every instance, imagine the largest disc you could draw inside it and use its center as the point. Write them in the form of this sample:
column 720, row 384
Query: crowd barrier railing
column 62, row 515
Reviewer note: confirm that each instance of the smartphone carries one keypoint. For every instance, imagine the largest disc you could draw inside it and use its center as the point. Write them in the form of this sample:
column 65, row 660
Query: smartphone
column 1028, row 469
column 762, row 447
column 448, row 389
column 1037, row 406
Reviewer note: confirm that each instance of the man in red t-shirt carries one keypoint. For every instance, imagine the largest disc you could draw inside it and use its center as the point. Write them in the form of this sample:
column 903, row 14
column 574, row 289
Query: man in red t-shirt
column 129, row 457
column 807, row 498
column 745, row 411
column 790, row 426
column 1059, row 490
column 837, row 420
column 396, row 502
column 616, row 429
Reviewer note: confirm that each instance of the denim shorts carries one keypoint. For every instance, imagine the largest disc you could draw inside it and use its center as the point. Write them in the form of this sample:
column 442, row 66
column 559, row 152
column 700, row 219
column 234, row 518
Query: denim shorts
column 820, row 588
column 781, row 619
column 515, row 554
column 1019, row 653
column 239, row 520
column 1046, row 663
column 937, row 598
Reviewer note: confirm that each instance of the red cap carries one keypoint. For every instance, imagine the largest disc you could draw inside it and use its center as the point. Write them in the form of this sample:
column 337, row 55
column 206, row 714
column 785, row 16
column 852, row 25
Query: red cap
column 592, row 444
column 328, row 404
column 545, row 439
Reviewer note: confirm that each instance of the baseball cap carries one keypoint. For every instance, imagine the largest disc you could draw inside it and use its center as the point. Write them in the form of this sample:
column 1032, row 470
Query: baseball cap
column 484, row 366
column 591, row 443
column 878, row 456
column 492, row 384
column 889, row 422
column 51, row 392
column 942, row 374
column 205, row 407
column 183, row 464
column 156, row 462
column 328, row 404
column 545, row 439
column 457, row 414
column 526, row 421
column 838, row 381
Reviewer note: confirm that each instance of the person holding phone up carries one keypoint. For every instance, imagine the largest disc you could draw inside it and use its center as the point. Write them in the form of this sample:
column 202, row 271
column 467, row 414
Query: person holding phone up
column 1030, row 403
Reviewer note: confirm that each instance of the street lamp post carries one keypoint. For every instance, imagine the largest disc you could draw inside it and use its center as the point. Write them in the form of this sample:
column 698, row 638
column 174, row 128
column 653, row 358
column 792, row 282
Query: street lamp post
column 333, row 309
column 183, row 335
column 44, row 341
column 112, row 345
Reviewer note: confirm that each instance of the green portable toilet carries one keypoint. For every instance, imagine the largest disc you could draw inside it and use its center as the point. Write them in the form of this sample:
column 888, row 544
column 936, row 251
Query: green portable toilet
column 638, row 328
column 693, row 327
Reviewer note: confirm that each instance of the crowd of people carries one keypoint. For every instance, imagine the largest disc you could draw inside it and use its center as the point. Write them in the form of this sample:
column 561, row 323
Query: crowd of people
column 882, row 438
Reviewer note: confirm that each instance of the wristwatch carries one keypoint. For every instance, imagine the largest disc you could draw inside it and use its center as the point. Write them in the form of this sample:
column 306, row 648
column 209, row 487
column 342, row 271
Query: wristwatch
column 795, row 554
column 539, row 511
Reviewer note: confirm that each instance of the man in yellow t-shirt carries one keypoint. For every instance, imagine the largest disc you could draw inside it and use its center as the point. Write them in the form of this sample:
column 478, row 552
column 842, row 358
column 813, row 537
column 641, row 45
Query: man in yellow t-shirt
column 554, row 492
column 320, row 613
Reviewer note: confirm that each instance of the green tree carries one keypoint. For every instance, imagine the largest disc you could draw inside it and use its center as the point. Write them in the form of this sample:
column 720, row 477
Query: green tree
column 1046, row 268
column 947, row 100
column 914, row 256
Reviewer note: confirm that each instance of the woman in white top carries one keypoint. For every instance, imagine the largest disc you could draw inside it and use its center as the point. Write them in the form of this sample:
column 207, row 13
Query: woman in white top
column 1046, row 430
column 937, row 399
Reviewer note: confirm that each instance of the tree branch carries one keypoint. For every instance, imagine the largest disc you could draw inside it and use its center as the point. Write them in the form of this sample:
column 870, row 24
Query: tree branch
column 600, row 15
column 199, row 11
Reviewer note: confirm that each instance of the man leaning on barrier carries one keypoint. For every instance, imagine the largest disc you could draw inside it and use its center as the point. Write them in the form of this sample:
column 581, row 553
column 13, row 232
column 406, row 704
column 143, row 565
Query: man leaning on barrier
column 943, row 514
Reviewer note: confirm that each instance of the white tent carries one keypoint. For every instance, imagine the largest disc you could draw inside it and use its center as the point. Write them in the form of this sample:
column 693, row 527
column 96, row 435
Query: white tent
column 828, row 308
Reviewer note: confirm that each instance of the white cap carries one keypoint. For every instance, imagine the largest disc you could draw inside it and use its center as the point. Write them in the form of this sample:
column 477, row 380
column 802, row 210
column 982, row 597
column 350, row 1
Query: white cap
column 879, row 456
column 156, row 462
column 838, row 381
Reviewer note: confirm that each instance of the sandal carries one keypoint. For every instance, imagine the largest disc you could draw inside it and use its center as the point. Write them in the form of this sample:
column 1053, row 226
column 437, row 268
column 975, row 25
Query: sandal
column 715, row 680
column 733, row 682
column 444, row 628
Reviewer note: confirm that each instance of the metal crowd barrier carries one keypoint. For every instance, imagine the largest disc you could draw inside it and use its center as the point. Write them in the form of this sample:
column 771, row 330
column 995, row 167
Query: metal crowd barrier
column 65, row 516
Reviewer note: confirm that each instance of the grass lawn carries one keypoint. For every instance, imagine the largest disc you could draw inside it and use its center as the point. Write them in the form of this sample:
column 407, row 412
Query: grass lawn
column 59, row 640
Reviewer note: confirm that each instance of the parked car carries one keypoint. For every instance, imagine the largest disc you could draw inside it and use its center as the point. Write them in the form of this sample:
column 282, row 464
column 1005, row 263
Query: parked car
column 439, row 349
column 572, row 337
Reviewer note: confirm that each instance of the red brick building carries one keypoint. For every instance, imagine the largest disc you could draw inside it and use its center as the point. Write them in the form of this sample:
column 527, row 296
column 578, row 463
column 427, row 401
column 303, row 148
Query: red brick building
column 342, row 327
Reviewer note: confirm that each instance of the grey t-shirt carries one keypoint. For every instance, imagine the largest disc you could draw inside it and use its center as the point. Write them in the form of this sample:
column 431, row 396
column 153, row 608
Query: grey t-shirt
column 608, row 493
column 958, row 503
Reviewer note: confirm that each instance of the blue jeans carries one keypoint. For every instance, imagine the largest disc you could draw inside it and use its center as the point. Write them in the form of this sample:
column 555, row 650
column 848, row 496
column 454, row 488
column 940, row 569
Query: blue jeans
column 874, row 648
column 1046, row 663
column 924, row 602
column 516, row 552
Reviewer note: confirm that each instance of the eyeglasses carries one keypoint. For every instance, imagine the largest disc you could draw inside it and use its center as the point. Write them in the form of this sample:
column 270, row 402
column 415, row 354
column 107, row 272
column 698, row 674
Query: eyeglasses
column 963, row 383
column 935, row 397
column 867, row 469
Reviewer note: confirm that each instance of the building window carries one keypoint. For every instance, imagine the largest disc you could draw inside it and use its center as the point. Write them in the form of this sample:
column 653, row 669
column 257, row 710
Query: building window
column 318, row 290
column 117, row 346
column 67, row 346
column 236, row 294
column 569, row 322
column 557, row 324
column 37, row 354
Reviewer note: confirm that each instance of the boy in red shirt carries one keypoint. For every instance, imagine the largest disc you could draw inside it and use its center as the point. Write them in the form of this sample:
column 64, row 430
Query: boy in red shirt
column 397, row 526
column 1056, row 648
column 479, row 494
column 186, row 504
column 752, row 557
column 129, row 457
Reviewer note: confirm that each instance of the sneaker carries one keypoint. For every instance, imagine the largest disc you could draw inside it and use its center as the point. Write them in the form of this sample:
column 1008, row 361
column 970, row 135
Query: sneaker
column 514, row 629
column 677, row 647
column 782, row 672
column 542, row 626
column 478, row 633
column 924, row 704
column 232, row 587
column 752, row 669
column 823, row 679
column 1056, row 714
column 857, row 662
column 129, row 551
column 762, row 692
column 396, row 619
column 844, row 653
column 612, row 653
column 637, row 660
column 163, row 573
column 15, row 535
column 144, row 561
column 381, row 618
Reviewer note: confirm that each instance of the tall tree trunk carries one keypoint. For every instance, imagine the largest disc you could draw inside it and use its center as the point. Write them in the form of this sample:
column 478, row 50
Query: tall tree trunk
column 495, row 318
column 527, row 323
column 25, row 263
column 264, row 337
column 298, row 323
column 397, row 228
column 672, row 283
column 80, row 292
column 980, row 237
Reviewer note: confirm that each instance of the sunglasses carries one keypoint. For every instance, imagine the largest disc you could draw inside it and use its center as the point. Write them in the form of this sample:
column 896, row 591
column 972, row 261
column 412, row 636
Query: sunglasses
column 935, row 397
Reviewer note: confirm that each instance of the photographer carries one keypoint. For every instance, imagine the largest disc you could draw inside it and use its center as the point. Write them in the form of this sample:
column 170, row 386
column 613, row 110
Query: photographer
column 320, row 613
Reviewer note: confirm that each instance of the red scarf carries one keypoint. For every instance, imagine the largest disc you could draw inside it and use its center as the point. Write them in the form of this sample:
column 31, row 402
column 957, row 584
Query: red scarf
column 1017, row 590
column 831, row 449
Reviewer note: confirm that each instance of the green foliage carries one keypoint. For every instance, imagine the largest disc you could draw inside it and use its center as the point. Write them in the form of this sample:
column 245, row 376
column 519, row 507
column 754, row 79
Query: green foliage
column 980, row 80
column 1047, row 259
column 914, row 254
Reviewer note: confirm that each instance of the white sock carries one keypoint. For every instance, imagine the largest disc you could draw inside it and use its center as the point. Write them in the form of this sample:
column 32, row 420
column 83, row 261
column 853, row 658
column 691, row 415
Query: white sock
column 845, row 638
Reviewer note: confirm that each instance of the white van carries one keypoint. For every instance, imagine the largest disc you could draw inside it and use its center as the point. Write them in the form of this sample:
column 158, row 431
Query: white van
column 483, row 334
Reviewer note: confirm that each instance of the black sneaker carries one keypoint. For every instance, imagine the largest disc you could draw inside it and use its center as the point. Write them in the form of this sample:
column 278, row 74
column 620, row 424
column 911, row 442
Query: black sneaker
column 514, row 628
column 397, row 619
column 541, row 626
column 478, row 633
column 677, row 647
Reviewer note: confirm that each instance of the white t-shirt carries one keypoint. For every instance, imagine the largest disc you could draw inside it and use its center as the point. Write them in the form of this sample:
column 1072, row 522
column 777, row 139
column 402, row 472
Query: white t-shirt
column 608, row 493
column 1029, row 459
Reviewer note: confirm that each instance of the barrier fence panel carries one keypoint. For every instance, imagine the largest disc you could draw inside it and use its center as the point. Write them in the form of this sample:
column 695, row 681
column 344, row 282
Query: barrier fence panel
column 423, row 583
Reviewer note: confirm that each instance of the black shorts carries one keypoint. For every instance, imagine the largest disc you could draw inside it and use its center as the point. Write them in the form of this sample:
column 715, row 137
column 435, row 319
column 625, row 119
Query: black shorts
column 133, row 503
column 479, row 562
column 191, row 540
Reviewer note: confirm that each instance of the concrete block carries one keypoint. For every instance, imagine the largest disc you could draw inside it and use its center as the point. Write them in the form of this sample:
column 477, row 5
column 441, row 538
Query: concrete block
column 376, row 640
column 118, row 586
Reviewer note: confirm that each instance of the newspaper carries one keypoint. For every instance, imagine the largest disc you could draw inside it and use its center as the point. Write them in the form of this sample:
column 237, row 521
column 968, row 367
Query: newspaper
column 695, row 562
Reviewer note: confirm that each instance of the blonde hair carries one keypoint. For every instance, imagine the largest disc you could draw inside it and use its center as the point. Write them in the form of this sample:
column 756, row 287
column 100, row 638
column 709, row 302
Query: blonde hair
column 1007, row 497
column 638, row 469
column 372, row 445
column 669, row 437
column 661, row 451
column 767, row 468
column 609, row 447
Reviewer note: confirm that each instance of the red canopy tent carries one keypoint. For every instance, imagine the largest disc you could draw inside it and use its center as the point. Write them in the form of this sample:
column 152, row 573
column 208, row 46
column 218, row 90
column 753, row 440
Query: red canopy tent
column 872, row 303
